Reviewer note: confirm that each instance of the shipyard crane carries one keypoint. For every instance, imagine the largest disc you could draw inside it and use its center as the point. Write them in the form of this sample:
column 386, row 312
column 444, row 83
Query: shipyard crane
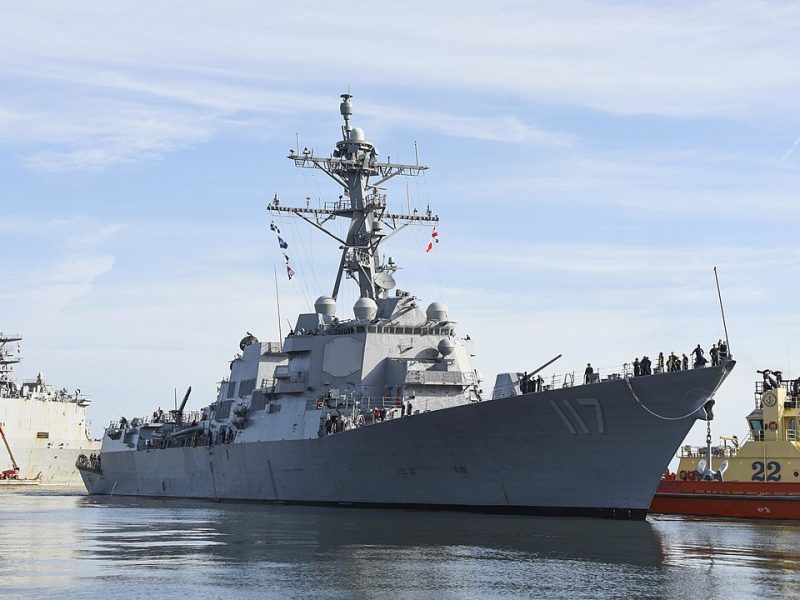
column 9, row 473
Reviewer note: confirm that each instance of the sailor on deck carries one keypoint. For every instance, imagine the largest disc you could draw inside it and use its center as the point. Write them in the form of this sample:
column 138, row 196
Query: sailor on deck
column 699, row 360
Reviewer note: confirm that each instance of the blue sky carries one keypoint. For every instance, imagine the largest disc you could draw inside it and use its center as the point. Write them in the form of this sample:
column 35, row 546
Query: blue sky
column 591, row 163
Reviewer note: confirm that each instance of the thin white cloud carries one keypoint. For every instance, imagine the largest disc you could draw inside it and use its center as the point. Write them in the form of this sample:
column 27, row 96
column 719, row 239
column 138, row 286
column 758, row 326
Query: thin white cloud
column 102, row 134
column 791, row 149
column 218, row 68
column 111, row 132
column 53, row 263
column 702, row 58
column 52, row 287
column 602, row 258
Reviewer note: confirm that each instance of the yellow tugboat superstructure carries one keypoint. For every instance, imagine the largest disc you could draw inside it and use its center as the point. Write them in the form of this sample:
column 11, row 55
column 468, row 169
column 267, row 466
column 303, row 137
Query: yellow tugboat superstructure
column 759, row 478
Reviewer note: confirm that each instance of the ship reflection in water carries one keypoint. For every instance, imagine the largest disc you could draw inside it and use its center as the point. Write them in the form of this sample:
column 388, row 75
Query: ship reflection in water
column 86, row 547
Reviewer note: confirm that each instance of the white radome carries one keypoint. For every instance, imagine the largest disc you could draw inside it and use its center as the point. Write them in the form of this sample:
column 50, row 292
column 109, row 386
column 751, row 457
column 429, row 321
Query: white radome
column 325, row 305
column 365, row 308
column 437, row 311
column 445, row 347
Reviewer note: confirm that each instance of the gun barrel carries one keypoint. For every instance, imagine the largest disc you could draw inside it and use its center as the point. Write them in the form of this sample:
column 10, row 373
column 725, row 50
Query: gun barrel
column 179, row 412
column 545, row 365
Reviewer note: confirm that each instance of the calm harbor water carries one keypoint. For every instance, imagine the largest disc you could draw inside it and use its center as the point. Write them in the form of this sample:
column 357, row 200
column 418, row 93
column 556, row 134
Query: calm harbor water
column 64, row 544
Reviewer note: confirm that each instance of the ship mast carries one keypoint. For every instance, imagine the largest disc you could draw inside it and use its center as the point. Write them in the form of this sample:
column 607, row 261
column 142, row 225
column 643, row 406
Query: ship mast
column 354, row 166
column 7, row 358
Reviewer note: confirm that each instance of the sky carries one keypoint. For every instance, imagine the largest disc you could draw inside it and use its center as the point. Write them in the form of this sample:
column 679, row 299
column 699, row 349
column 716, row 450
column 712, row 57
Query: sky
column 591, row 163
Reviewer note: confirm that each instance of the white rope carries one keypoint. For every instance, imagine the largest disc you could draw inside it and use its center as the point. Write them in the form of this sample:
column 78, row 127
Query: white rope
column 655, row 414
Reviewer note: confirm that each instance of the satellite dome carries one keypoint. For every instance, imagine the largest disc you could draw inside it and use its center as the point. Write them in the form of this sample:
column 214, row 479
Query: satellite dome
column 357, row 134
column 247, row 340
column 445, row 347
column 365, row 308
column 325, row 305
column 437, row 311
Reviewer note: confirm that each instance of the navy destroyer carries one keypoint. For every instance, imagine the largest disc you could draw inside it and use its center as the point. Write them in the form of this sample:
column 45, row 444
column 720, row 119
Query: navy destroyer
column 385, row 408
column 43, row 429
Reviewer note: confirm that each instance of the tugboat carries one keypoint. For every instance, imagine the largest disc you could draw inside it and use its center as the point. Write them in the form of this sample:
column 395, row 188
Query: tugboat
column 43, row 429
column 384, row 407
column 757, row 479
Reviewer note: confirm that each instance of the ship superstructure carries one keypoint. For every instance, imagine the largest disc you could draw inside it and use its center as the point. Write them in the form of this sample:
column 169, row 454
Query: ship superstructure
column 385, row 408
column 45, row 428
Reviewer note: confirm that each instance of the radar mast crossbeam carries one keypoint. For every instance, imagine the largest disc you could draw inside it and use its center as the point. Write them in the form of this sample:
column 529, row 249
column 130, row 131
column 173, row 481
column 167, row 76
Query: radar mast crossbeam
column 319, row 226
column 347, row 212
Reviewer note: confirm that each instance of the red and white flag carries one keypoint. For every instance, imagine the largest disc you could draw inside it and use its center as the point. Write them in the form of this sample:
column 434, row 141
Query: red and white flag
column 434, row 240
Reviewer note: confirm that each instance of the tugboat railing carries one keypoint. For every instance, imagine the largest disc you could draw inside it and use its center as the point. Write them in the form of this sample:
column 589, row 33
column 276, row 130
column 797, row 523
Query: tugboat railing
column 789, row 435
column 689, row 451
column 791, row 386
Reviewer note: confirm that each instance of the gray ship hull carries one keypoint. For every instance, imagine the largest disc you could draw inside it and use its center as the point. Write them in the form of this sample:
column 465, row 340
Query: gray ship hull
column 595, row 450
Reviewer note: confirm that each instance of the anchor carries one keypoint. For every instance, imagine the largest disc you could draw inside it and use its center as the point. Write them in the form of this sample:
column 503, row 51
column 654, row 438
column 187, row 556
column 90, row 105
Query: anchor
column 705, row 471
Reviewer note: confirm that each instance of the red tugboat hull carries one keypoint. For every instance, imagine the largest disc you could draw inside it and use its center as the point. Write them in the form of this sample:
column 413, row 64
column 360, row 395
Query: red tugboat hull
column 749, row 500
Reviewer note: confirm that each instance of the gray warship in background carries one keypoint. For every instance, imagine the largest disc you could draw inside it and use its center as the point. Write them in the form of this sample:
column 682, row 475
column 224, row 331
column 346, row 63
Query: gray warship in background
column 385, row 409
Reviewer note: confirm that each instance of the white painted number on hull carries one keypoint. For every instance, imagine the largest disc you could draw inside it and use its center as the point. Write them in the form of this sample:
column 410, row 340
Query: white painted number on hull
column 576, row 423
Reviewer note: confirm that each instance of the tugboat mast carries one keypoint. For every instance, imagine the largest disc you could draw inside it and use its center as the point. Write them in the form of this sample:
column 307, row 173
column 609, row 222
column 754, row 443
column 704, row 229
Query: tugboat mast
column 352, row 164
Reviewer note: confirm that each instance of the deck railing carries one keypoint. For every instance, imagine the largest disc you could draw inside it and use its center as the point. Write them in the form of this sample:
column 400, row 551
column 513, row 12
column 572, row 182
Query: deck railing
column 792, row 387
column 89, row 463
column 788, row 435
column 189, row 416
column 572, row 378
column 689, row 451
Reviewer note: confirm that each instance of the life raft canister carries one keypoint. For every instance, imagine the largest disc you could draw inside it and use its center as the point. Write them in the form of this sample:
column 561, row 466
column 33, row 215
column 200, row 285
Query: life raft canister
column 772, row 426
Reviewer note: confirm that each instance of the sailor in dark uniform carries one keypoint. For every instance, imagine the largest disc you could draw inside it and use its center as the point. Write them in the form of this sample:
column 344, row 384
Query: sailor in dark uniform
column 714, row 352
column 698, row 353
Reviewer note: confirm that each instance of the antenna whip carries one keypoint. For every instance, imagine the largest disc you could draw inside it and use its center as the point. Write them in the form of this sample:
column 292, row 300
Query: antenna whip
column 722, row 310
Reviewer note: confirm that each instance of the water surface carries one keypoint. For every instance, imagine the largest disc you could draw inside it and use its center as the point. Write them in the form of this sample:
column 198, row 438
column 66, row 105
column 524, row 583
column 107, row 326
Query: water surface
column 64, row 544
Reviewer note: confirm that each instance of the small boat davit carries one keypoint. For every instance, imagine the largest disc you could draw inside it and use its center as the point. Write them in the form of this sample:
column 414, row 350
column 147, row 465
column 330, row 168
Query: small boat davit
column 759, row 479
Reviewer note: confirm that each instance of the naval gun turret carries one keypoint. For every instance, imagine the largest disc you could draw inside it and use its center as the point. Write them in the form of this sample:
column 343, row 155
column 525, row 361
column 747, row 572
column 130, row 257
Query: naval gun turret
column 177, row 414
